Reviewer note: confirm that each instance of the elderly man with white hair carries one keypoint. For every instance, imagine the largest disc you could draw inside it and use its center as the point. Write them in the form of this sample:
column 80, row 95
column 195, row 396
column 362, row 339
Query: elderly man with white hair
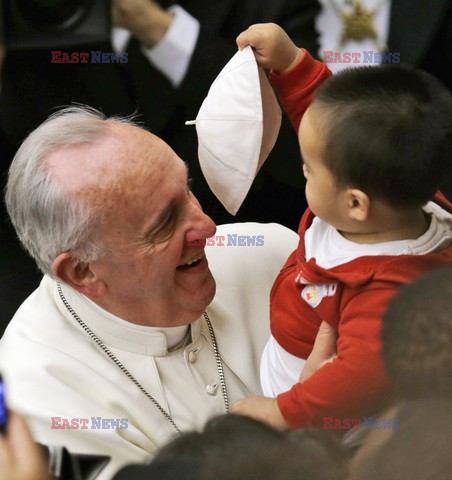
column 137, row 331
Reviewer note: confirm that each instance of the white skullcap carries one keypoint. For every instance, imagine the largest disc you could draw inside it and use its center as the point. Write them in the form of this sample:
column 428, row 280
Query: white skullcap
column 237, row 126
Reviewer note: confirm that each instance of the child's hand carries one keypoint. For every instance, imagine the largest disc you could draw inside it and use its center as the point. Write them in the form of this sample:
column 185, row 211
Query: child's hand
column 272, row 46
column 264, row 409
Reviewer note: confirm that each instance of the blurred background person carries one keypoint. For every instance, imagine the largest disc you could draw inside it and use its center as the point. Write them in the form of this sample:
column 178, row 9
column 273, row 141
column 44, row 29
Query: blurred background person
column 419, row 449
column 234, row 447
column 417, row 353
column 419, row 32
column 417, row 337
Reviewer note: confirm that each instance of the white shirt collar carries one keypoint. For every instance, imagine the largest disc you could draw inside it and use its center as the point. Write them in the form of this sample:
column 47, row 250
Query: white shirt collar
column 119, row 333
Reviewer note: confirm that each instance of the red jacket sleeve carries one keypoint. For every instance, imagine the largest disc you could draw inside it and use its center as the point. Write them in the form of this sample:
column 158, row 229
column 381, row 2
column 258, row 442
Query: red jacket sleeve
column 296, row 87
column 355, row 383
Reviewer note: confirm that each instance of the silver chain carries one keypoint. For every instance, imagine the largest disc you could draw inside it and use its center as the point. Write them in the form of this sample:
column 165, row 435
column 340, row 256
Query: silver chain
column 218, row 361
column 112, row 357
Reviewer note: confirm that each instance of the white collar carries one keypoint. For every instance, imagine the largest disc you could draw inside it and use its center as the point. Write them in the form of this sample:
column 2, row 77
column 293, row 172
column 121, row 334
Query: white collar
column 119, row 333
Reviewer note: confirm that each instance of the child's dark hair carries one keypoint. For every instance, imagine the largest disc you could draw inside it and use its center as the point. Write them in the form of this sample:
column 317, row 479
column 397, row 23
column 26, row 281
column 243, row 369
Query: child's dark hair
column 419, row 449
column 417, row 336
column 388, row 132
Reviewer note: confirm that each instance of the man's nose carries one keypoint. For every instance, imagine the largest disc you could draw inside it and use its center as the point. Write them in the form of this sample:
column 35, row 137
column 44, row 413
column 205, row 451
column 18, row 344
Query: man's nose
column 202, row 226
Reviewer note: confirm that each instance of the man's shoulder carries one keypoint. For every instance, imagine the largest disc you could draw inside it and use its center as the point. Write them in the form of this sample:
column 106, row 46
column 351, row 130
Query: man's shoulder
column 36, row 306
column 38, row 324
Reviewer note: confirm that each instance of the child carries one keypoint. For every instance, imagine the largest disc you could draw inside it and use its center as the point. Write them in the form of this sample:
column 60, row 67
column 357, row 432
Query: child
column 376, row 144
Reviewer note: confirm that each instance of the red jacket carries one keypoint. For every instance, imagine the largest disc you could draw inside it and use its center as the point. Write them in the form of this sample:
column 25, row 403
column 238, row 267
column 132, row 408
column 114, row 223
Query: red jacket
column 351, row 297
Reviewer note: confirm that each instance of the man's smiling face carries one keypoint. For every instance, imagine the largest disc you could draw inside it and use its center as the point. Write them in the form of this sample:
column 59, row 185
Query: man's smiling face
column 149, row 216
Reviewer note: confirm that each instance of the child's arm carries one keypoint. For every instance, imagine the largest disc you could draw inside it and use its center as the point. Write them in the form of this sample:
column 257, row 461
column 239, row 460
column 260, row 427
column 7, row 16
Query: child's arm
column 266, row 409
column 351, row 385
column 355, row 382
column 294, row 73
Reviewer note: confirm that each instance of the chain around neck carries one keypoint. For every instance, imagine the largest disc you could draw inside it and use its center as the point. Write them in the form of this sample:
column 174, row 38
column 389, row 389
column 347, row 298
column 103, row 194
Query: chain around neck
column 114, row 359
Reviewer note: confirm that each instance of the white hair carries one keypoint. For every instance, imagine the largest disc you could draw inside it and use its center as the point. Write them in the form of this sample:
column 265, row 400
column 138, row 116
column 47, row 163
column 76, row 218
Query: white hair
column 48, row 219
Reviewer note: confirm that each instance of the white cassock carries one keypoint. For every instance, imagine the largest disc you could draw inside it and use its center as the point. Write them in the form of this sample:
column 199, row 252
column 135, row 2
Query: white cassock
column 52, row 368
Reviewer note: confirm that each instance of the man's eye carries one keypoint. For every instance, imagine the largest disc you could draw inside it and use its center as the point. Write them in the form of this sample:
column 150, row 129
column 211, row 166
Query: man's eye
column 163, row 232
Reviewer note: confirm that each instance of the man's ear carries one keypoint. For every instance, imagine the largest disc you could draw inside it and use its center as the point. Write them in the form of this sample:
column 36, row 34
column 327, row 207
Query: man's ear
column 358, row 204
column 78, row 275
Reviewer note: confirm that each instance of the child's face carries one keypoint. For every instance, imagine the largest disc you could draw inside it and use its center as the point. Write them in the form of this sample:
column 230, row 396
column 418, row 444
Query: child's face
column 324, row 197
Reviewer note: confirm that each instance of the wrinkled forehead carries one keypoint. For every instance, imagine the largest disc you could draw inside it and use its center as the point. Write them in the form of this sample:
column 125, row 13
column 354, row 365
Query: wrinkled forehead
column 117, row 164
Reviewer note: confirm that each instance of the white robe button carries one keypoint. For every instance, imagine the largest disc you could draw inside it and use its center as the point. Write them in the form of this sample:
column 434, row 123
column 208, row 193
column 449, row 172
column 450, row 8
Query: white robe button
column 192, row 357
column 212, row 389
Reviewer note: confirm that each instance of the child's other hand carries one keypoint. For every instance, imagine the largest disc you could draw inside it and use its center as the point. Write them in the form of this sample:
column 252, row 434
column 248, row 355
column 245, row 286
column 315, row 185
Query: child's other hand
column 272, row 46
column 264, row 409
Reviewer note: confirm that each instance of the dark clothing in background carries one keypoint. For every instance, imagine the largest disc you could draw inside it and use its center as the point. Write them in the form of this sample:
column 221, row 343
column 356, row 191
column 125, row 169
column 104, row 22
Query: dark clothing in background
column 422, row 32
